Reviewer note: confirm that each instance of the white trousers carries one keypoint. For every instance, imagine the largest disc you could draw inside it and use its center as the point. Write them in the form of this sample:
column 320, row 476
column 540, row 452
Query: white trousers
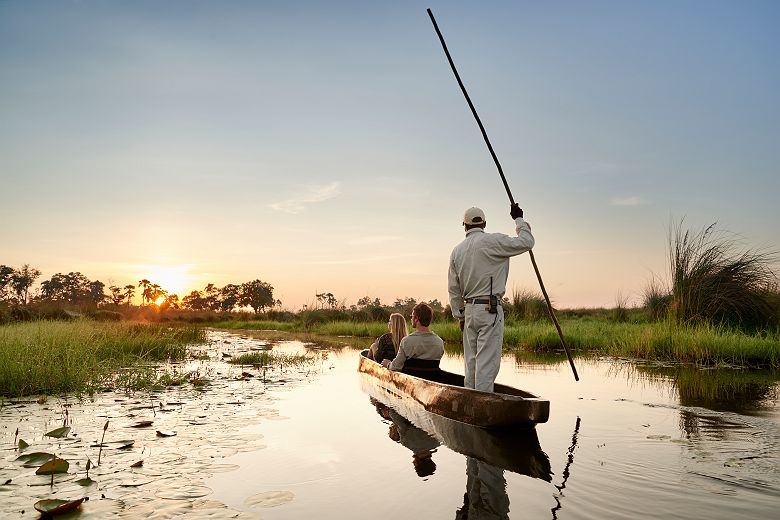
column 483, row 335
column 486, row 489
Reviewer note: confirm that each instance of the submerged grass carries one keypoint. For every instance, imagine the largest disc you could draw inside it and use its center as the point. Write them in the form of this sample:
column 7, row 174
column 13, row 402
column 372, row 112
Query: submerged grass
column 51, row 357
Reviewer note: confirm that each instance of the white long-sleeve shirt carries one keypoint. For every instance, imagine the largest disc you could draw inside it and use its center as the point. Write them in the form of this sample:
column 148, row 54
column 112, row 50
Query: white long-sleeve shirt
column 420, row 345
column 480, row 256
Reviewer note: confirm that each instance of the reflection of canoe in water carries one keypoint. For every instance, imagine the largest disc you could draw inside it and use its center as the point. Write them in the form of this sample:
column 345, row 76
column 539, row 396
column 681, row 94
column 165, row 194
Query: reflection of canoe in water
column 505, row 406
column 514, row 449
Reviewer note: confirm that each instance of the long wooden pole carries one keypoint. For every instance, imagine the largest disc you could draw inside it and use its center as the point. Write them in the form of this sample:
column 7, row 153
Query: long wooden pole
column 506, row 187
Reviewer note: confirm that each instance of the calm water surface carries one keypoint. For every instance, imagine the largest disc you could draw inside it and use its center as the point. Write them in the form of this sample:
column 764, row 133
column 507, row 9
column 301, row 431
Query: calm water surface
column 626, row 441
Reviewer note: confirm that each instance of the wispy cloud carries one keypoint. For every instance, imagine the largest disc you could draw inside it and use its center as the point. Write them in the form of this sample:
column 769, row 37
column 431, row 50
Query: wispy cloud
column 628, row 201
column 370, row 240
column 311, row 194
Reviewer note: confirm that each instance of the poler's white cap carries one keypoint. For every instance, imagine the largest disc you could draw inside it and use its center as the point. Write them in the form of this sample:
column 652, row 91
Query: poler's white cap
column 474, row 216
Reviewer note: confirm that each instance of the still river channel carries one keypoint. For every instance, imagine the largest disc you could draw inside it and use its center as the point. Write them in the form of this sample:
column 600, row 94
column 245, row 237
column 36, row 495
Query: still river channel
column 627, row 441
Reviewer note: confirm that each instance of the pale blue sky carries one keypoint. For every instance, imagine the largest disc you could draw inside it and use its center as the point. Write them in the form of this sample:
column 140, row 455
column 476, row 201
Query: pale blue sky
column 325, row 146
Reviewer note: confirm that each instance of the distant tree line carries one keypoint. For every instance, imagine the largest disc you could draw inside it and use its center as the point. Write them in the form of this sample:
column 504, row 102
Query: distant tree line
column 75, row 289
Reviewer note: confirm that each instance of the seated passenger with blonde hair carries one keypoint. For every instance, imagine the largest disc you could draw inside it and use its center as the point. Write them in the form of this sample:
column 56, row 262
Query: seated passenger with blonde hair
column 419, row 352
column 386, row 347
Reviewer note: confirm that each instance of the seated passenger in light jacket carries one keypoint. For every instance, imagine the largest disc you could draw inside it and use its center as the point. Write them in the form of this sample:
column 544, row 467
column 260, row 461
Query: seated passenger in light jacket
column 386, row 347
column 419, row 352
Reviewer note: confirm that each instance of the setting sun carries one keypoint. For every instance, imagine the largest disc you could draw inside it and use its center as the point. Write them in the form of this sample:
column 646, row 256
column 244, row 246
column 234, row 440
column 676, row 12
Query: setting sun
column 159, row 300
column 175, row 279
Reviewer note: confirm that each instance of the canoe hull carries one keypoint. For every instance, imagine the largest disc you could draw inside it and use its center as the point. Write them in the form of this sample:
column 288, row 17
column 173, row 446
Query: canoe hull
column 506, row 406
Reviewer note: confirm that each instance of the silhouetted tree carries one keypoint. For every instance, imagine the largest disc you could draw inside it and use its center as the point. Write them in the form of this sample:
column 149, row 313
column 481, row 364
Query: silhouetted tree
column 257, row 294
column 171, row 301
column 21, row 281
column 129, row 293
column 211, row 297
column 144, row 285
column 327, row 299
column 404, row 306
column 366, row 301
column 116, row 296
column 194, row 301
column 95, row 292
column 230, row 295
column 5, row 282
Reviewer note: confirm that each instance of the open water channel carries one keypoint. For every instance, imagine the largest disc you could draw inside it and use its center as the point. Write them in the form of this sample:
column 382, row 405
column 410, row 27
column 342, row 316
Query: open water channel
column 628, row 440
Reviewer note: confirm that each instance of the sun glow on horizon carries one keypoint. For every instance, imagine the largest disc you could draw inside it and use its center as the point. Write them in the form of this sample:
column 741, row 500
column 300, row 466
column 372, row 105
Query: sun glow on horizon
column 176, row 279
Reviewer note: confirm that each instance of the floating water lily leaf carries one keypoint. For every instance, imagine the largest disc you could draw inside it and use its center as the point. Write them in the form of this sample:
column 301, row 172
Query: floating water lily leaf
column 22, row 445
column 35, row 459
column 125, row 444
column 165, row 434
column 56, row 507
column 142, row 424
column 53, row 467
column 137, row 464
column 85, row 482
column 59, row 432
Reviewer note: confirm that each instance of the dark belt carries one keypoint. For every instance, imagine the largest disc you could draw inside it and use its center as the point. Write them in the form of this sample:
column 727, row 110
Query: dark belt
column 481, row 301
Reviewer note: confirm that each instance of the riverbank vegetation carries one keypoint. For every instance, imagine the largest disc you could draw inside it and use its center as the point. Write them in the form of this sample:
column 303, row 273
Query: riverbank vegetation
column 51, row 357
column 718, row 304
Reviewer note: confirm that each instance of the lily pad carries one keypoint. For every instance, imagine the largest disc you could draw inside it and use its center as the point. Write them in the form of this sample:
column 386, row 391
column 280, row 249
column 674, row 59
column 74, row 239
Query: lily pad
column 53, row 467
column 35, row 459
column 142, row 424
column 165, row 434
column 137, row 464
column 56, row 506
column 85, row 482
column 117, row 445
column 59, row 433
column 22, row 445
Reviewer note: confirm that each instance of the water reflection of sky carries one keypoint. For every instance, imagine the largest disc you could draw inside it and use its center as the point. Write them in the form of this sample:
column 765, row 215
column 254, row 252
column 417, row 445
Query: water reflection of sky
column 634, row 455
column 626, row 441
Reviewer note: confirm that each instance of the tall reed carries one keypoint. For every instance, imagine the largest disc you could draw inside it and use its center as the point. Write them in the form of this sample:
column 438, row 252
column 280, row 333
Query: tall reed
column 49, row 357
column 715, row 280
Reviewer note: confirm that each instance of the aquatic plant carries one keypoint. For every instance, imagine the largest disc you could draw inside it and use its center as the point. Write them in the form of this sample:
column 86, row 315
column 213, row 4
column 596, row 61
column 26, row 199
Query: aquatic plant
column 267, row 358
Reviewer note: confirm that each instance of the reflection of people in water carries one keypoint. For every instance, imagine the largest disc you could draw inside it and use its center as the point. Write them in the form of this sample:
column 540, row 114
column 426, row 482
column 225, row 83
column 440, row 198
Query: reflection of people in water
column 422, row 445
column 485, row 496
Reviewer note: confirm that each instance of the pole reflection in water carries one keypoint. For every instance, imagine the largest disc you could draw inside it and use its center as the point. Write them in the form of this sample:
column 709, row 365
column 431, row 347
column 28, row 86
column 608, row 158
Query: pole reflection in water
column 569, row 461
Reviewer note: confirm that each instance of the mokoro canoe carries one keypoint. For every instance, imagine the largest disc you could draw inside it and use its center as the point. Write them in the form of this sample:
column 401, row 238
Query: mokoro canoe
column 505, row 406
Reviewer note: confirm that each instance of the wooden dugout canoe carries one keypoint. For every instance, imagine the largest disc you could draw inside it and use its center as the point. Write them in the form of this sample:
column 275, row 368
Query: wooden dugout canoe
column 514, row 449
column 505, row 406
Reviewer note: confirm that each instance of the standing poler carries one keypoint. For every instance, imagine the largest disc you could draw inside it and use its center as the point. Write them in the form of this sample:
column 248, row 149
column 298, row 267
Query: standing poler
column 477, row 282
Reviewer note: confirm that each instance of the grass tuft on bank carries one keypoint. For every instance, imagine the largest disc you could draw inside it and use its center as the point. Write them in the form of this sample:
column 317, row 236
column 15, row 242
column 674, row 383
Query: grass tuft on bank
column 53, row 357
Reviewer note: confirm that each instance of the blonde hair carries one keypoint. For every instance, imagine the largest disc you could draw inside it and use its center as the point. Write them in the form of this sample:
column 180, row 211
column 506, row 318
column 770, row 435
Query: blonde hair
column 398, row 329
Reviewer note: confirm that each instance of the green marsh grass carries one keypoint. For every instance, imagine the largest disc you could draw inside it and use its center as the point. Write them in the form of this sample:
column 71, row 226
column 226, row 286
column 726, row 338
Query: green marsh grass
column 667, row 340
column 262, row 359
column 53, row 357
column 288, row 326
